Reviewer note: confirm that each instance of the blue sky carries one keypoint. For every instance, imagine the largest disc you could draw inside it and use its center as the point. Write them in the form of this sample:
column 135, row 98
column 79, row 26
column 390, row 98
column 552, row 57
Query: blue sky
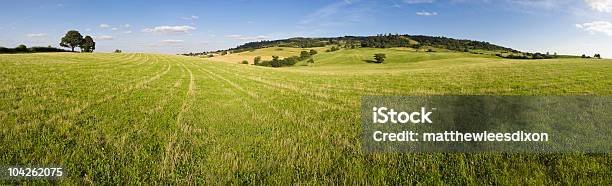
column 563, row 26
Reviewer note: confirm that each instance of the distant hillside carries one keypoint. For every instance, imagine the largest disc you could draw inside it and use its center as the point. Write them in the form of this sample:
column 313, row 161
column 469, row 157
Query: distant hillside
column 379, row 41
column 418, row 42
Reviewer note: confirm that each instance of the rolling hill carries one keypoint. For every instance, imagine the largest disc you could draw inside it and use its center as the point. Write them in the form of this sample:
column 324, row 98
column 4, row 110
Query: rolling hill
column 404, row 44
column 378, row 41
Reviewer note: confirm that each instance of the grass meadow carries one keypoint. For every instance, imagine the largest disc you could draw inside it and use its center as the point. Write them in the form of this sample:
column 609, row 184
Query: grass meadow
column 163, row 119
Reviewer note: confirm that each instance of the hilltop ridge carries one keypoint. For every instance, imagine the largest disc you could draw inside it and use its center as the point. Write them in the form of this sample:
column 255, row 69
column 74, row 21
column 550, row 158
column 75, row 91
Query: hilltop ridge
column 378, row 41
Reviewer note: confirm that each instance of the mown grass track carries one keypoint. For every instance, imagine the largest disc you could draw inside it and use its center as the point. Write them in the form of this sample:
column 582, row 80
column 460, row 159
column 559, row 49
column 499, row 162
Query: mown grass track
column 143, row 118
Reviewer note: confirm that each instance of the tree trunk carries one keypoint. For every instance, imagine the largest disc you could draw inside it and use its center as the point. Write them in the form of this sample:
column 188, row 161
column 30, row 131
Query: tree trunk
column 72, row 49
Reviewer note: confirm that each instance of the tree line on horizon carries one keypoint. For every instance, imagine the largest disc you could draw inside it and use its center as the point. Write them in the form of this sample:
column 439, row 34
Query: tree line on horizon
column 71, row 40
column 25, row 49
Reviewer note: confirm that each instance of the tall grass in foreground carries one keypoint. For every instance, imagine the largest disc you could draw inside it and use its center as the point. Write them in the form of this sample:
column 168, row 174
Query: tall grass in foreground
column 140, row 118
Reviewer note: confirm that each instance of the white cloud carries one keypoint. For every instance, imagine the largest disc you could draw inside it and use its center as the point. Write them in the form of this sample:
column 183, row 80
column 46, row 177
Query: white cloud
column 37, row 35
column 597, row 27
column 600, row 5
column 193, row 17
column 104, row 37
column 88, row 29
column 172, row 41
column 127, row 25
column 104, row 25
column 418, row 1
column 242, row 37
column 424, row 13
column 127, row 32
column 169, row 29
column 114, row 28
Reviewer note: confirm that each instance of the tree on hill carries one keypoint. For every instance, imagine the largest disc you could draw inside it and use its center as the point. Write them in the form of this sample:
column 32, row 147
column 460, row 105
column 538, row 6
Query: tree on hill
column 313, row 52
column 537, row 55
column 72, row 39
column 332, row 49
column 21, row 48
column 88, row 44
column 304, row 54
column 598, row 56
column 118, row 51
column 275, row 62
column 380, row 58
column 257, row 60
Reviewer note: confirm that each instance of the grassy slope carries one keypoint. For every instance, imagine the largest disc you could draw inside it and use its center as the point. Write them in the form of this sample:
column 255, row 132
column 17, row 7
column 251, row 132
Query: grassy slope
column 126, row 118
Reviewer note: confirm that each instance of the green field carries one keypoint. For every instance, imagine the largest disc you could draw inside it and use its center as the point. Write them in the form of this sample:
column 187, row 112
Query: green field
column 145, row 118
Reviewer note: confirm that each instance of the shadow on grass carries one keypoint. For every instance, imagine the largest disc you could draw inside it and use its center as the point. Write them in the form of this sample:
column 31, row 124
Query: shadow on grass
column 369, row 61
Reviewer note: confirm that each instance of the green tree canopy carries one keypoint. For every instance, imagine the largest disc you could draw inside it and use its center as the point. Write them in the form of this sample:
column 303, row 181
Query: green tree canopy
column 21, row 48
column 72, row 39
column 380, row 58
column 257, row 60
column 313, row 52
column 304, row 54
column 88, row 44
